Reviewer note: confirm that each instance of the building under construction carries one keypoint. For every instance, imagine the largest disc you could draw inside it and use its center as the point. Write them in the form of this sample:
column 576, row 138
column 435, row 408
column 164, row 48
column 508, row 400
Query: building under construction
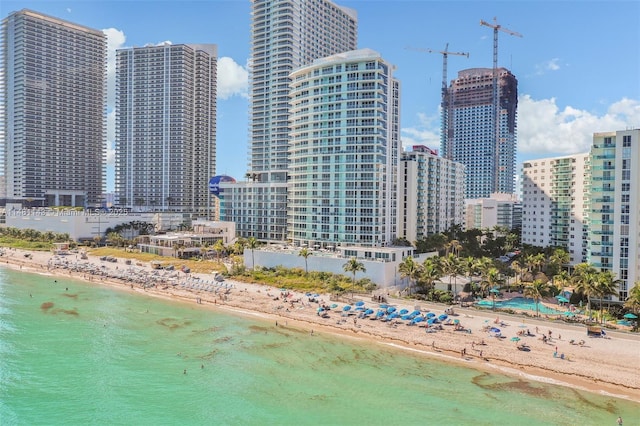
column 478, row 137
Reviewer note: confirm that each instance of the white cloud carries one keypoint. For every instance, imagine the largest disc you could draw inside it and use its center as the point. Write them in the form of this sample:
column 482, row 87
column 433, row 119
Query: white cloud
column 426, row 133
column 545, row 130
column 550, row 65
column 233, row 79
column 111, row 138
column 115, row 40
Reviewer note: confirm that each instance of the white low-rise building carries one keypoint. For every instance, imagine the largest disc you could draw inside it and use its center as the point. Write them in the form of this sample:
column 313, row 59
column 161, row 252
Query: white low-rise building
column 84, row 224
column 380, row 263
column 186, row 244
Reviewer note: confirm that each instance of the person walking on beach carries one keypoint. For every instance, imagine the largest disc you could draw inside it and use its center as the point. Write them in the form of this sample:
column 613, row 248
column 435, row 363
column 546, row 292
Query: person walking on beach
column 619, row 421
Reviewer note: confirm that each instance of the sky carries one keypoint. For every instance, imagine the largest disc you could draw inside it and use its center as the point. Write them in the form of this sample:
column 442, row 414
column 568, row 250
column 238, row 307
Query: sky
column 577, row 62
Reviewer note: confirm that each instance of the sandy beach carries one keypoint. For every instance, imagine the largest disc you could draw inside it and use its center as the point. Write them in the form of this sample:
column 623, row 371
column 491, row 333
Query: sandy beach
column 605, row 365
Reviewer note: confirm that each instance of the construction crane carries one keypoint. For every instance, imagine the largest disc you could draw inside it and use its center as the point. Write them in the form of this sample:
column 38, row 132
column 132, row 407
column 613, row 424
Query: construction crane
column 443, row 102
column 496, row 101
column 497, row 28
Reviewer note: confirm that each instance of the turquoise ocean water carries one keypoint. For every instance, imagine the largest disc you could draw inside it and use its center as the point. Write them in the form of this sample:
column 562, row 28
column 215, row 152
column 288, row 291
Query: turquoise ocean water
column 93, row 355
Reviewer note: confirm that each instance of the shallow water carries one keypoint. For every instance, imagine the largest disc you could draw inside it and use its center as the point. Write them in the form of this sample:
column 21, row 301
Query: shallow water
column 95, row 355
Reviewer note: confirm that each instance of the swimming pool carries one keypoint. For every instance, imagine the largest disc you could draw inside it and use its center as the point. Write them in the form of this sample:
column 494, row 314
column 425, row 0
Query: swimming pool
column 519, row 303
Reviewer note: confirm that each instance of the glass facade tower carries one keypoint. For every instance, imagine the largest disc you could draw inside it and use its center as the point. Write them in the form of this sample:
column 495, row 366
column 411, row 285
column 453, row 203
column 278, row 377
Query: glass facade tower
column 53, row 110
column 343, row 176
column 471, row 130
column 166, row 127
column 285, row 35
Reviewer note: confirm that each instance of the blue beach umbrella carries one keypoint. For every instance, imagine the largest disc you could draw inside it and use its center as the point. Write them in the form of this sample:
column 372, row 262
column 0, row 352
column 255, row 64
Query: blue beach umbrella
column 431, row 315
column 333, row 306
column 443, row 317
column 380, row 314
column 404, row 311
column 431, row 321
column 391, row 309
column 383, row 306
column 347, row 308
column 368, row 312
column 360, row 303
column 416, row 312
column 418, row 319
column 630, row 316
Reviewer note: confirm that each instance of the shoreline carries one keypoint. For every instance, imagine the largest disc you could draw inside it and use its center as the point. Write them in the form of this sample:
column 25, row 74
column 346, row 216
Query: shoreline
column 607, row 367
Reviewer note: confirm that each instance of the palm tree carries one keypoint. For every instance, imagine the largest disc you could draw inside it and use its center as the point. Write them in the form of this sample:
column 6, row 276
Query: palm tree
column 115, row 239
column 536, row 262
column 451, row 267
column 238, row 245
column 430, row 272
column 563, row 278
column 353, row 266
column 584, row 279
column 510, row 241
column 633, row 300
column 409, row 268
column 305, row 253
column 218, row 246
column 536, row 291
column 490, row 281
column 606, row 285
column 558, row 259
column 470, row 267
column 252, row 243
column 453, row 246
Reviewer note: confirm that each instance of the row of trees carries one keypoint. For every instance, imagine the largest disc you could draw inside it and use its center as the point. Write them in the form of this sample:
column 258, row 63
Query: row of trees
column 34, row 235
column 531, row 274
column 475, row 242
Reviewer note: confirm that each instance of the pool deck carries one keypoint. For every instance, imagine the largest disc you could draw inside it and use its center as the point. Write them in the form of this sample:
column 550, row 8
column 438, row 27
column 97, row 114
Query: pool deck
column 547, row 303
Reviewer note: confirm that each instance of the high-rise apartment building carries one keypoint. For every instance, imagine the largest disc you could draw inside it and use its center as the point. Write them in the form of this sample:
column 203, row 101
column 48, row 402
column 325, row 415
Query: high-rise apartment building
column 166, row 127
column 285, row 35
column 344, row 146
column 471, row 130
column 590, row 205
column 554, row 196
column 431, row 194
column 53, row 110
column 499, row 210
column 614, row 206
